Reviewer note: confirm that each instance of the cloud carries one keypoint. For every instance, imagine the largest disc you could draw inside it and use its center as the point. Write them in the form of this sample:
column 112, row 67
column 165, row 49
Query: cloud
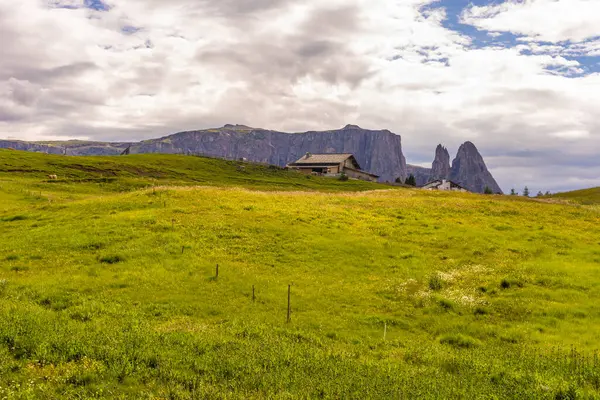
column 136, row 69
column 545, row 20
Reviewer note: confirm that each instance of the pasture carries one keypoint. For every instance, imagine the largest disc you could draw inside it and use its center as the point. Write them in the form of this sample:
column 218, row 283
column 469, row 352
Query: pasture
column 108, row 286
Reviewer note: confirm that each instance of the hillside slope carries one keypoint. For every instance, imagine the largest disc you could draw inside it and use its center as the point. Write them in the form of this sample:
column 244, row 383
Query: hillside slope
column 108, row 289
column 584, row 196
column 142, row 170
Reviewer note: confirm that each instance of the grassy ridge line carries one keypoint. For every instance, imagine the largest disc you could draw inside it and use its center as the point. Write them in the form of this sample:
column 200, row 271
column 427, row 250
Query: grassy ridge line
column 146, row 169
column 584, row 196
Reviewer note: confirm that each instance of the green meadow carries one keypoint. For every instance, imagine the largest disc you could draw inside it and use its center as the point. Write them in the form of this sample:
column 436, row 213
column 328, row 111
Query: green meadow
column 108, row 286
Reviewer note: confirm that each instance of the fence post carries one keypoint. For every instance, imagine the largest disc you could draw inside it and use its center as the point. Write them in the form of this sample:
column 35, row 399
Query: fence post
column 253, row 296
column 289, row 308
column 217, row 272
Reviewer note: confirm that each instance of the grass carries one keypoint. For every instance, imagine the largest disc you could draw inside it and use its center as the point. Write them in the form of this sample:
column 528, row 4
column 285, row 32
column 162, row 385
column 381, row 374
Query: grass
column 108, row 289
column 585, row 196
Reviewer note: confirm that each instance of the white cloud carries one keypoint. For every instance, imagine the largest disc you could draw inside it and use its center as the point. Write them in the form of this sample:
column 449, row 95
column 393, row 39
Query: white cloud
column 294, row 65
column 544, row 20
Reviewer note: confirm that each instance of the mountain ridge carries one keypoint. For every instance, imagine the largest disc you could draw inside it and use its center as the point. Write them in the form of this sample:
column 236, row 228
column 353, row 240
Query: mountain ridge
column 468, row 169
column 378, row 151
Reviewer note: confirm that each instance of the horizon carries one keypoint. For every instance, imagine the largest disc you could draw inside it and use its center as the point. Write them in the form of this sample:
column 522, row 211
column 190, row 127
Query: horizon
column 521, row 80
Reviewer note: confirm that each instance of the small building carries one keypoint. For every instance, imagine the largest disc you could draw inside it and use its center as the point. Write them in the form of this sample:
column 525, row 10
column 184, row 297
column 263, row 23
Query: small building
column 444, row 184
column 333, row 165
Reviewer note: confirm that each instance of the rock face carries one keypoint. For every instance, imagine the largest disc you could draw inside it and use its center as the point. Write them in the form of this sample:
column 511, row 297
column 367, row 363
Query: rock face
column 377, row 152
column 440, row 169
column 468, row 169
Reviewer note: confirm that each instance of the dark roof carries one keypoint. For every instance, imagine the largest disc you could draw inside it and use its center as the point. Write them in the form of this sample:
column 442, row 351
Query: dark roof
column 310, row 159
column 364, row 172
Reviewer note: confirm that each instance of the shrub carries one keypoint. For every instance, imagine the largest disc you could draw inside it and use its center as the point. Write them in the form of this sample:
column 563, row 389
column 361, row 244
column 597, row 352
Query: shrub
column 480, row 311
column 446, row 304
column 459, row 341
column 568, row 394
column 12, row 257
column 111, row 259
column 505, row 284
column 435, row 282
column 15, row 218
column 343, row 177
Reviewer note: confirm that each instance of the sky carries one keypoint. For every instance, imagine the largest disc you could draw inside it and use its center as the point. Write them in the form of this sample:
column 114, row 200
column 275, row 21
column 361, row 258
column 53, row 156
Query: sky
column 520, row 79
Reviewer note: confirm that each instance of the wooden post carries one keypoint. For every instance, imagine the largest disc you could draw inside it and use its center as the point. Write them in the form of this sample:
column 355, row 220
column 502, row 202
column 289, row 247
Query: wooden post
column 289, row 310
column 217, row 272
column 182, row 249
column 384, row 330
column 253, row 296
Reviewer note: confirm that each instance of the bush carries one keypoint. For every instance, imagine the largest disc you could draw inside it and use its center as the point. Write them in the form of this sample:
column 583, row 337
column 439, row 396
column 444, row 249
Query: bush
column 459, row 341
column 505, row 284
column 111, row 259
column 446, row 304
column 435, row 282
column 343, row 177
column 480, row 311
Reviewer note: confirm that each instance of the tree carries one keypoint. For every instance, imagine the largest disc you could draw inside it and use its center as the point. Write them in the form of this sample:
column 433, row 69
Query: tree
column 526, row 192
column 487, row 190
column 548, row 193
column 398, row 180
column 411, row 181
column 513, row 192
column 540, row 194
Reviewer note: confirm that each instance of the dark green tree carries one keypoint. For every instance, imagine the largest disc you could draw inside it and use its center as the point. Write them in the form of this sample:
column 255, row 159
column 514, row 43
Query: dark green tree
column 398, row 180
column 487, row 190
column 411, row 181
column 513, row 192
column 540, row 194
column 526, row 192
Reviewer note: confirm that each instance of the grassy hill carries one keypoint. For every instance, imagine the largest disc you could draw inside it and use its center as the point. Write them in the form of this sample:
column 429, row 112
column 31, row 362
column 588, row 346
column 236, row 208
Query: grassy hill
column 584, row 196
column 108, row 286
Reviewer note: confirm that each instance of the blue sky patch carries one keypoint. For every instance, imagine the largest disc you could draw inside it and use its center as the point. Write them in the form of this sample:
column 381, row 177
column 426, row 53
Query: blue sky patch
column 482, row 38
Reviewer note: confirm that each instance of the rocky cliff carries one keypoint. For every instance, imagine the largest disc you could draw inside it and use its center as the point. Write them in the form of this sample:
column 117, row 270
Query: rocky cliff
column 468, row 169
column 440, row 169
column 378, row 152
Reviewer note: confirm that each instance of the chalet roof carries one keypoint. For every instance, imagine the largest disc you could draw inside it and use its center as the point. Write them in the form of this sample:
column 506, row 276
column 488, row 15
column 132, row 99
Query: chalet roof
column 441, row 181
column 310, row 159
column 364, row 172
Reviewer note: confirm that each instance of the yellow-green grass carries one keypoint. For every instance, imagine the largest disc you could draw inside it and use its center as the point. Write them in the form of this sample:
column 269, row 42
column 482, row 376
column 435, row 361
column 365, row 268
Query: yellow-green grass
column 584, row 196
column 111, row 293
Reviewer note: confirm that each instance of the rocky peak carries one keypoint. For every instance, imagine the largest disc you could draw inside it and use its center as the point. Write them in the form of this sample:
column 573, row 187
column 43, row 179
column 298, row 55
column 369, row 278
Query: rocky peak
column 440, row 168
column 237, row 127
column 351, row 127
column 470, row 171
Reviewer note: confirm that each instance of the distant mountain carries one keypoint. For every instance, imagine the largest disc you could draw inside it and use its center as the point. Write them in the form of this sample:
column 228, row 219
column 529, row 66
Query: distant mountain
column 377, row 151
column 468, row 169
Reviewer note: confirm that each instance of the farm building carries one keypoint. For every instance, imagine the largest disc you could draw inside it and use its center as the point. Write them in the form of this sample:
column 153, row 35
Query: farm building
column 331, row 165
column 443, row 184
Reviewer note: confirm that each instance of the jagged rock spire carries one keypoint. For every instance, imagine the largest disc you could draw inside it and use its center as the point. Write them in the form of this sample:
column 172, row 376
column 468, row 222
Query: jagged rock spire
column 470, row 171
column 440, row 169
